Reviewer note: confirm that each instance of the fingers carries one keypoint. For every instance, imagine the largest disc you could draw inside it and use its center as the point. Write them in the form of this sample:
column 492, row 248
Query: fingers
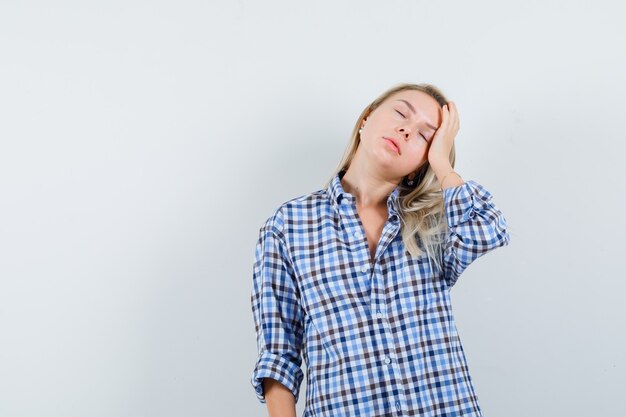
column 452, row 115
column 449, row 118
column 445, row 113
column 445, row 117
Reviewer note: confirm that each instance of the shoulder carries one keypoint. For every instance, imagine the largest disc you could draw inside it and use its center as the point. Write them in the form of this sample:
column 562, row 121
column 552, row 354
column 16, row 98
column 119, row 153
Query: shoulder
column 295, row 211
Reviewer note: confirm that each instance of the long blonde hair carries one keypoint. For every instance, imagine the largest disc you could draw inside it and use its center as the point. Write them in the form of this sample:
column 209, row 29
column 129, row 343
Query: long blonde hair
column 421, row 207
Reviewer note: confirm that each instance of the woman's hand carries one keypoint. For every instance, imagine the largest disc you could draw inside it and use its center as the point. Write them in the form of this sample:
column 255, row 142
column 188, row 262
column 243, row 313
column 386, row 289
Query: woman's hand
column 441, row 145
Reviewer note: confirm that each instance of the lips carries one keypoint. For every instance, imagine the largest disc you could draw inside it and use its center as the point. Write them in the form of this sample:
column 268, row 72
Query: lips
column 395, row 143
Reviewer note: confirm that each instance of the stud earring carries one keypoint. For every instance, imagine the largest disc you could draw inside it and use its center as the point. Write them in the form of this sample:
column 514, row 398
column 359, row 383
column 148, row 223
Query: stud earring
column 409, row 182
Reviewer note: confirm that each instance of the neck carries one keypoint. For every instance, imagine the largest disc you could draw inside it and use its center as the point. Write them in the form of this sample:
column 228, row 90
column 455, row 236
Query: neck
column 368, row 188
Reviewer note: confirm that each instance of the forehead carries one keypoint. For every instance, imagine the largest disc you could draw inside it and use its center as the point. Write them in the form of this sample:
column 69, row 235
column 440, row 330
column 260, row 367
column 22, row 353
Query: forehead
column 424, row 104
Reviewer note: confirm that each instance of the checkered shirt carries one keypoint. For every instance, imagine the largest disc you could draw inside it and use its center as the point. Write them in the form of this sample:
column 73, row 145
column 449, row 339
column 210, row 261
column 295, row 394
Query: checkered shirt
column 378, row 337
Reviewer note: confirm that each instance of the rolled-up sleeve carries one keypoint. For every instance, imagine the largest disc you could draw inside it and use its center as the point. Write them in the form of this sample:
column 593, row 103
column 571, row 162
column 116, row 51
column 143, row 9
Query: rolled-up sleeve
column 278, row 317
column 475, row 227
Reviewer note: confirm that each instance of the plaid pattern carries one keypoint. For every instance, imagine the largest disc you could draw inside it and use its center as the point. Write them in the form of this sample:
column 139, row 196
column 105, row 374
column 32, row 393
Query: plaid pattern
column 379, row 339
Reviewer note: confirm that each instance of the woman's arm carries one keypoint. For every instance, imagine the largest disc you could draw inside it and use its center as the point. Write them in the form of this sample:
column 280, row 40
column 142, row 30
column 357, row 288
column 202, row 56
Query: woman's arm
column 278, row 316
column 279, row 399
column 442, row 169
column 476, row 225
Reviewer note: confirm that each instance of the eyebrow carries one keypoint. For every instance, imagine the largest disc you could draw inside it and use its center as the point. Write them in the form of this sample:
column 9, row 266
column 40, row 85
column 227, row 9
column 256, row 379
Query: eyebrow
column 413, row 110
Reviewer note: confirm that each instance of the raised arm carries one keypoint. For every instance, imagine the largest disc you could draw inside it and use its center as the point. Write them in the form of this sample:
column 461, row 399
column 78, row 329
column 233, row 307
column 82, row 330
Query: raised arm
column 475, row 227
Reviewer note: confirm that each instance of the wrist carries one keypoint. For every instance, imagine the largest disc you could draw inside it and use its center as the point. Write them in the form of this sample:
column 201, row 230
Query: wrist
column 450, row 180
column 446, row 175
column 441, row 168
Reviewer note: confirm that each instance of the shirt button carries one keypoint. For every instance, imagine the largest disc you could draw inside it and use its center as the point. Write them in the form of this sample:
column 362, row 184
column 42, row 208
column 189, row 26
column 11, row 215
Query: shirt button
column 387, row 360
column 398, row 407
column 365, row 268
column 379, row 314
column 357, row 234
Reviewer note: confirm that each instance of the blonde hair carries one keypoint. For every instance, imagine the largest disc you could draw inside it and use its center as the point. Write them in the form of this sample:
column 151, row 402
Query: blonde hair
column 421, row 207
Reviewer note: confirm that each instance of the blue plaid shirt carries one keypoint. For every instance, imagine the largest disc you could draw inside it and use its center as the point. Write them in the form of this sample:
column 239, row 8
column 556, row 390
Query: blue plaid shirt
column 378, row 339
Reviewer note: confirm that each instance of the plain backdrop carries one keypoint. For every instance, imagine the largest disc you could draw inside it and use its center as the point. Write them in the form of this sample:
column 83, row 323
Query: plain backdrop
column 143, row 144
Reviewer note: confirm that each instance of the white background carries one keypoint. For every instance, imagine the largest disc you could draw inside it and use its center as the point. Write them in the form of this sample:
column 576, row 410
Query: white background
column 142, row 144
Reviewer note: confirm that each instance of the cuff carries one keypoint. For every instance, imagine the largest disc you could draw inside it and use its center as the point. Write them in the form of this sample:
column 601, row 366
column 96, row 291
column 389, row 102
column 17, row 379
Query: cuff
column 270, row 365
column 464, row 201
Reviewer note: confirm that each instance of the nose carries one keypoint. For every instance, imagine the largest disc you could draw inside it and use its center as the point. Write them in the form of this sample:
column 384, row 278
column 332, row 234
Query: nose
column 404, row 131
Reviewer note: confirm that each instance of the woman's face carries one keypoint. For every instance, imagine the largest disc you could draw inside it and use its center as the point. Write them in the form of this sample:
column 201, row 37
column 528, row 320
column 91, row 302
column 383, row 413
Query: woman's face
column 409, row 118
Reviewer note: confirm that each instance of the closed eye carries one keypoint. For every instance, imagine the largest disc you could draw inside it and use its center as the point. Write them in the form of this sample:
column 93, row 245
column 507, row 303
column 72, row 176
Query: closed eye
column 405, row 118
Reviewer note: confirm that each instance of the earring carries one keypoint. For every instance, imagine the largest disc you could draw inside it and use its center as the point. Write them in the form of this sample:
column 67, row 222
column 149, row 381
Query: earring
column 419, row 176
column 409, row 182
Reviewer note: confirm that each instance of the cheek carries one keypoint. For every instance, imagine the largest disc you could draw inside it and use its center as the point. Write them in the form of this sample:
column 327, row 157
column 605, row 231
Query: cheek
column 418, row 146
column 417, row 151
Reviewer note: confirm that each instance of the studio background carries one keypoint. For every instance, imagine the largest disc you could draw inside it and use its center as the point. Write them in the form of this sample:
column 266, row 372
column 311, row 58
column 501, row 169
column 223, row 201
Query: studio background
column 143, row 144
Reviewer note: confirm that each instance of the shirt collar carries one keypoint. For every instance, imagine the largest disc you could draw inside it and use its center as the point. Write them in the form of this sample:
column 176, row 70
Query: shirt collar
column 338, row 196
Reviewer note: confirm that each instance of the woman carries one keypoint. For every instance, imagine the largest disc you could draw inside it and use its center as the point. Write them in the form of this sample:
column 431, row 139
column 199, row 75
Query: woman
column 355, row 277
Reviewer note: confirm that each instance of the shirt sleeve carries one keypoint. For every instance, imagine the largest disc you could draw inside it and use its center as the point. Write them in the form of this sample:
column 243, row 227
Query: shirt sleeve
column 475, row 226
column 278, row 317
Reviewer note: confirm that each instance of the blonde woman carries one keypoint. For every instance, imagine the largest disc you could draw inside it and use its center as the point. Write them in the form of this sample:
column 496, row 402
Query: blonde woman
column 354, row 278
